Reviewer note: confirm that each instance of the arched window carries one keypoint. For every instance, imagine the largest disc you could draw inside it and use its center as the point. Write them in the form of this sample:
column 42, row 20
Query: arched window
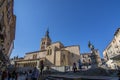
column 34, row 56
column 49, row 51
column 63, row 56
column 43, row 43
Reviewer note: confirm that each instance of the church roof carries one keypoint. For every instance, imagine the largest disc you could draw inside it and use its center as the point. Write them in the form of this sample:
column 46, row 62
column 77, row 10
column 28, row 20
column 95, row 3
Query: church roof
column 57, row 42
column 29, row 59
column 35, row 52
column 72, row 46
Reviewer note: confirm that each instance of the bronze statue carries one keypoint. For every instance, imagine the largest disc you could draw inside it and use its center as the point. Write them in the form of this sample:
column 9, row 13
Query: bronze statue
column 90, row 46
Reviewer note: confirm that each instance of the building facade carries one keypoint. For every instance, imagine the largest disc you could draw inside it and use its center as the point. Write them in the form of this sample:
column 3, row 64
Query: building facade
column 90, row 60
column 86, row 60
column 7, row 30
column 112, row 52
column 51, row 54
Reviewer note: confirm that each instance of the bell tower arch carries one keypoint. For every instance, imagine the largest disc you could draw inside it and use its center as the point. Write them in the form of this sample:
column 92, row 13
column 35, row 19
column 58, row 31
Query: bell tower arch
column 46, row 41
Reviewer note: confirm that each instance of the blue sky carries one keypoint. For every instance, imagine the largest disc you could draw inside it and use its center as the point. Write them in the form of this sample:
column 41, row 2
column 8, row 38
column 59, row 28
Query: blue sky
column 73, row 22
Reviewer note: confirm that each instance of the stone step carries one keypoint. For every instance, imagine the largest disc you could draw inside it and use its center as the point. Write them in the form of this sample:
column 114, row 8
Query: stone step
column 53, row 78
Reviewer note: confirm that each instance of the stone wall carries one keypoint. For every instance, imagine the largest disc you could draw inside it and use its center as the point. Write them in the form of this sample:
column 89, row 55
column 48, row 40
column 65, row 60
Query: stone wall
column 39, row 54
column 74, row 53
column 58, row 58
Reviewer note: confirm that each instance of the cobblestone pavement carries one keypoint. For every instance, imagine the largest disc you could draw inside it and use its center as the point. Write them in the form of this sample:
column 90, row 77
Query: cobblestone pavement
column 77, row 77
column 71, row 77
column 19, row 78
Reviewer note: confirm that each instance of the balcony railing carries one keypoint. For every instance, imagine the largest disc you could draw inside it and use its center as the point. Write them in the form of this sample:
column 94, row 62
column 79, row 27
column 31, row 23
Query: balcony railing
column 115, row 57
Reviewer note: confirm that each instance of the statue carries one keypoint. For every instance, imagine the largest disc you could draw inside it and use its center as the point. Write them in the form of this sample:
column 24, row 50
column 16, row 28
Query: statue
column 47, row 33
column 93, row 56
column 90, row 46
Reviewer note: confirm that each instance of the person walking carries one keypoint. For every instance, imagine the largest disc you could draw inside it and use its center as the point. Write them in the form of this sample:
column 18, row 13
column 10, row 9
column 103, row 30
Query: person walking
column 118, row 75
column 29, row 75
column 14, row 75
column 35, row 74
column 74, row 67
column 41, row 67
column 4, row 75
column 9, row 75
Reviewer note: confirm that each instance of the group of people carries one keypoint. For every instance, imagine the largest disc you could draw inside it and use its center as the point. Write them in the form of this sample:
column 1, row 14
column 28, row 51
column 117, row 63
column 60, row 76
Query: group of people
column 9, row 75
column 13, row 74
column 32, row 75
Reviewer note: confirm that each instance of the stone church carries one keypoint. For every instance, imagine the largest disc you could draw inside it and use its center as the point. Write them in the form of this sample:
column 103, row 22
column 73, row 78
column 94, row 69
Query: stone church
column 53, row 54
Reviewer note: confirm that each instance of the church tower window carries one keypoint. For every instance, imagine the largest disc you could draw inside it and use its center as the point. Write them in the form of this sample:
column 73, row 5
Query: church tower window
column 43, row 43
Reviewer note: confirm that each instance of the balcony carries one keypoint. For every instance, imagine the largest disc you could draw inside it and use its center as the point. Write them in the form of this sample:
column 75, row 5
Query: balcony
column 115, row 57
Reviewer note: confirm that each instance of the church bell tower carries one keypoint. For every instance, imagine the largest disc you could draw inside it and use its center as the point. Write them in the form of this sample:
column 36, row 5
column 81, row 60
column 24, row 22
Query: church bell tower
column 46, row 41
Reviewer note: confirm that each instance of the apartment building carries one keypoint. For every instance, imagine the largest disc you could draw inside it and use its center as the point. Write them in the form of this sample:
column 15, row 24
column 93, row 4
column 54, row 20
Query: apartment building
column 112, row 52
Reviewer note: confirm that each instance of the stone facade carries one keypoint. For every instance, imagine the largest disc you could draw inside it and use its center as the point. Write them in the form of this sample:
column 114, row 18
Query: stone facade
column 52, row 54
column 112, row 51
column 59, row 57
column 7, row 29
column 95, row 57
column 88, row 60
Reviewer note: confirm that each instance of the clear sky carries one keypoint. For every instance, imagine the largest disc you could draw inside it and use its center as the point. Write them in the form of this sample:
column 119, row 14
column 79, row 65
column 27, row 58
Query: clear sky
column 73, row 22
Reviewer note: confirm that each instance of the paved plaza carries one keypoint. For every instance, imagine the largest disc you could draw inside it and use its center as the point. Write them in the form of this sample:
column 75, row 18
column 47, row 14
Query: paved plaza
column 73, row 77
column 77, row 77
